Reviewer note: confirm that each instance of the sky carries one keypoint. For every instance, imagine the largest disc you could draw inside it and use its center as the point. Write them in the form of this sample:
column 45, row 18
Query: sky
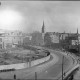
column 28, row 16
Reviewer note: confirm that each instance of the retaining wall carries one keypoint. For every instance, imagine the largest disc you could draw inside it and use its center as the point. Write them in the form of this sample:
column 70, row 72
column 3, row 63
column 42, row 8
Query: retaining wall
column 24, row 65
column 73, row 68
column 69, row 72
column 38, row 61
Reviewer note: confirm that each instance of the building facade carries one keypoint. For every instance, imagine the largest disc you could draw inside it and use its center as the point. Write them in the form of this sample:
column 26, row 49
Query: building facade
column 54, row 37
column 10, row 39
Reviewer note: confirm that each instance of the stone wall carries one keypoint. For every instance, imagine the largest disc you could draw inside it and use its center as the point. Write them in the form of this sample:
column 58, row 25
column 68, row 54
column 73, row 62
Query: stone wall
column 24, row 65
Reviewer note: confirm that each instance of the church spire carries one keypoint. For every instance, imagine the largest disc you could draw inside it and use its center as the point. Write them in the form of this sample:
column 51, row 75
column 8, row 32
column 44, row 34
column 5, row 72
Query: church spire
column 43, row 26
column 43, row 33
column 77, row 30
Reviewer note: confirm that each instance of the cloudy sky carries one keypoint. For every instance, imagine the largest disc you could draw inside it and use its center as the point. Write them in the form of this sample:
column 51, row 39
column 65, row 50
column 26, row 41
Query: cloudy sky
column 28, row 16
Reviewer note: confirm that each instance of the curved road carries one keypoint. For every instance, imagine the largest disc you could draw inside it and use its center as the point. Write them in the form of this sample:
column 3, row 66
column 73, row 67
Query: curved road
column 52, row 69
column 48, row 70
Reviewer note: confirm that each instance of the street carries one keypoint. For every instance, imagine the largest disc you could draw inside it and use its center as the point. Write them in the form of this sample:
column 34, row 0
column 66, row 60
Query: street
column 53, row 70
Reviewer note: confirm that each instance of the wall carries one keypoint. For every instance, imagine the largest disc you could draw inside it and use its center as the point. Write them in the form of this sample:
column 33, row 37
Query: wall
column 36, row 62
column 25, row 65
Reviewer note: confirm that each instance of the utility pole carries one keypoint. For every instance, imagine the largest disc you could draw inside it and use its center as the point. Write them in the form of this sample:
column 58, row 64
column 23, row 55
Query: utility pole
column 29, row 61
column 78, row 45
column 35, row 75
column 78, row 41
column 62, row 66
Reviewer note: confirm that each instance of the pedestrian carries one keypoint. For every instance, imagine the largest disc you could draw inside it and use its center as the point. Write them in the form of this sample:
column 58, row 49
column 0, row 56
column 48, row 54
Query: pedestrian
column 64, row 73
column 14, row 76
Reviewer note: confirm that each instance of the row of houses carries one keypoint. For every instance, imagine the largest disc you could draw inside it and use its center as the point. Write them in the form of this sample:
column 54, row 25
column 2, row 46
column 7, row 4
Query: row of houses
column 10, row 39
column 66, row 40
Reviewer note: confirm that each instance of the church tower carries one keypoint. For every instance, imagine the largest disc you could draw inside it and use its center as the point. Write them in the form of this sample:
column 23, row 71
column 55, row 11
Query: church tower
column 77, row 30
column 43, row 32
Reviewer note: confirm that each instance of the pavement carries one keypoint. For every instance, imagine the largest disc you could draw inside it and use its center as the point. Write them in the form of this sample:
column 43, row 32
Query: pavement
column 77, row 75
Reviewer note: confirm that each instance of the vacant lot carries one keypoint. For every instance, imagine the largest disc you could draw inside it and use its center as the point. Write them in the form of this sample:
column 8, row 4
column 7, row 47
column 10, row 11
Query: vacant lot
column 19, row 56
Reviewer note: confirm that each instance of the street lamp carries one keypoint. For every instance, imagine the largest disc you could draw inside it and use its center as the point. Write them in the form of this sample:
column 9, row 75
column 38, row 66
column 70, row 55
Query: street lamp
column 62, row 67
column 78, row 44
column 35, row 75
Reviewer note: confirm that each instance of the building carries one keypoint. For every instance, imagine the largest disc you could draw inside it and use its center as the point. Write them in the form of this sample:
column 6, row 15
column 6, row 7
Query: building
column 52, row 39
column 63, row 36
column 1, row 40
column 55, row 37
column 71, row 41
column 27, row 40
column 9, row 39
column 36, row 38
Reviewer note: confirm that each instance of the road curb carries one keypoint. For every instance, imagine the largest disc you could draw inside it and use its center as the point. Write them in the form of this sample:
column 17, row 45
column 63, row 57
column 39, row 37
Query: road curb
column 70, row 70
column 74, row 66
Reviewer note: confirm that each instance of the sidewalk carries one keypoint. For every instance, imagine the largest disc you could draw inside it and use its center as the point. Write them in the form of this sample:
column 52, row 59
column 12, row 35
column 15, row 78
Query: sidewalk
column 77, row 75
